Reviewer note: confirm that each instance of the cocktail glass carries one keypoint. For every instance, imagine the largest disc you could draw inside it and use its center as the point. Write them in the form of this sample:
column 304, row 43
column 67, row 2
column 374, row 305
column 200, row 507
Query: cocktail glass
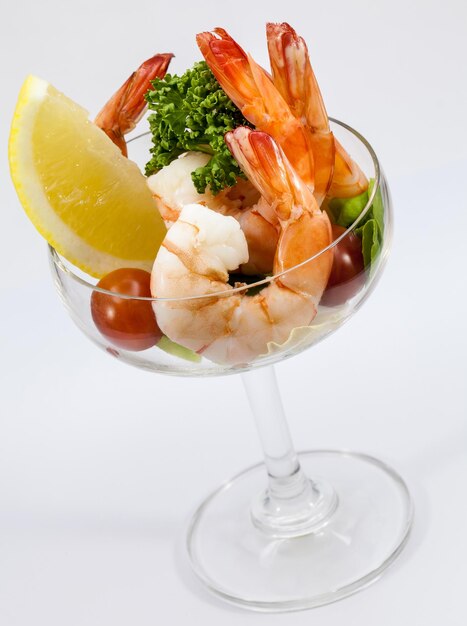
column 295, row 531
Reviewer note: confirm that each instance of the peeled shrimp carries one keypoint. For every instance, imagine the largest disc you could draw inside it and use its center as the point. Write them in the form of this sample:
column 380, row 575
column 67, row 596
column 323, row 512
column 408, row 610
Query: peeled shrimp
column 124, row 109
column 173, row 188
column 203, row 246
column 295, row 80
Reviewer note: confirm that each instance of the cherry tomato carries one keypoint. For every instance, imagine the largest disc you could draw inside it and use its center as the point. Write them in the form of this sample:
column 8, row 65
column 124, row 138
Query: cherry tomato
column 127, row 323
column 348, row 272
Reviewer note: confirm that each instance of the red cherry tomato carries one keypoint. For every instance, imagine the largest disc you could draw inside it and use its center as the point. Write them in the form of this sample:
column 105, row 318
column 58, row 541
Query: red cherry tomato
column 348, row 271
column 127, row 323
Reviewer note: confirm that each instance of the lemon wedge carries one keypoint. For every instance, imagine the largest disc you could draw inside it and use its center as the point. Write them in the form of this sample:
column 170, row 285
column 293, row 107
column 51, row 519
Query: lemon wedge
column 89, row 202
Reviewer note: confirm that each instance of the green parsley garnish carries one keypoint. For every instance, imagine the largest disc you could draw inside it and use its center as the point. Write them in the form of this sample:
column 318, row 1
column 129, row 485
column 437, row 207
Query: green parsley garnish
column 192, row 112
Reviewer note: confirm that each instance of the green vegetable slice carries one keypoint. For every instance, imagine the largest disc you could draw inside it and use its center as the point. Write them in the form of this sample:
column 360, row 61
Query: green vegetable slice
column 175, row 349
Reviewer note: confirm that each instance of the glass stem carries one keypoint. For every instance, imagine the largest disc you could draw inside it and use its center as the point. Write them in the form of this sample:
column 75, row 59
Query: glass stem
column 292, row 504
column 285, row 474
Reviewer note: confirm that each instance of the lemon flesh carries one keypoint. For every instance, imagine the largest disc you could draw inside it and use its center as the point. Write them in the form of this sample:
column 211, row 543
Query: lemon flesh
column 90, row 202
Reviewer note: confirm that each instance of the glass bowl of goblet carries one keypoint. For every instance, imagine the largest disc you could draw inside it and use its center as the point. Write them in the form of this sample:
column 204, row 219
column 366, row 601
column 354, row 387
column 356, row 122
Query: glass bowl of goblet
column 295, row 531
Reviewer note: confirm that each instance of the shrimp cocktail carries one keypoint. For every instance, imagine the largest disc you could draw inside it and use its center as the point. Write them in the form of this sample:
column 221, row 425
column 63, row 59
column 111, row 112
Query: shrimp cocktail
column 239, row 228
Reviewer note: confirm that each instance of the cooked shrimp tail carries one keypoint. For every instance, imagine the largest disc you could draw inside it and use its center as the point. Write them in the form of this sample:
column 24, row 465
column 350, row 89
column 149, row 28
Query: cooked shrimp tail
column 305, row 229
column 251, row 88
column 227, row 60
column 125, row 108
column 348, row 179
column 294, row 78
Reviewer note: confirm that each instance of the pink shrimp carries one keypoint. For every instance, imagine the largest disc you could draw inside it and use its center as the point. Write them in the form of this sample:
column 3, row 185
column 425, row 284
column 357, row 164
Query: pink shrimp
column 203, row 246
column 250, row 87
column 172, row 188
column 294, row 78
column 125, row 108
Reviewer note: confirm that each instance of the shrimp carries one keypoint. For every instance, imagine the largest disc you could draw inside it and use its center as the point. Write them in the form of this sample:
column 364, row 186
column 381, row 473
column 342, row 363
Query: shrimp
column 203, row 246
column 251, row 88
column 125, row 108
column 348, row 179
column 173, row 188
column 296, row 82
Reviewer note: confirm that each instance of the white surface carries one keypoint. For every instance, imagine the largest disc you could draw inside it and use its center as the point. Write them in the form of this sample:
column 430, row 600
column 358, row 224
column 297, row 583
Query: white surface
column 101, row 464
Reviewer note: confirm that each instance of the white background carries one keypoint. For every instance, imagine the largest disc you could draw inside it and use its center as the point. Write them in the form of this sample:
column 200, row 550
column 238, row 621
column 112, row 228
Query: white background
column 101, row 464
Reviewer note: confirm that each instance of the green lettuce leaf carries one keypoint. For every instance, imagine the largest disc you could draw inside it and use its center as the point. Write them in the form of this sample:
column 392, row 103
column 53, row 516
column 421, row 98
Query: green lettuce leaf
column 344, row 212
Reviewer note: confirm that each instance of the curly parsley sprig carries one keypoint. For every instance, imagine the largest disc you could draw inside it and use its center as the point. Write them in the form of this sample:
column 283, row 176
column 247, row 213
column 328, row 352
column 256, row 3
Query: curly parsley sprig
column 192, row 112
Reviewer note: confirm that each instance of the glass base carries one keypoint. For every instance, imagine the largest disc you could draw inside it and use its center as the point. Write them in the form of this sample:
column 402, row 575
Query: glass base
column 248, row 567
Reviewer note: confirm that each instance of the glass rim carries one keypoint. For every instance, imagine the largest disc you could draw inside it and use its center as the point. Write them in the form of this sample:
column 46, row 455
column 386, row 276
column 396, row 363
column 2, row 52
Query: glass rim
column 62, row 267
